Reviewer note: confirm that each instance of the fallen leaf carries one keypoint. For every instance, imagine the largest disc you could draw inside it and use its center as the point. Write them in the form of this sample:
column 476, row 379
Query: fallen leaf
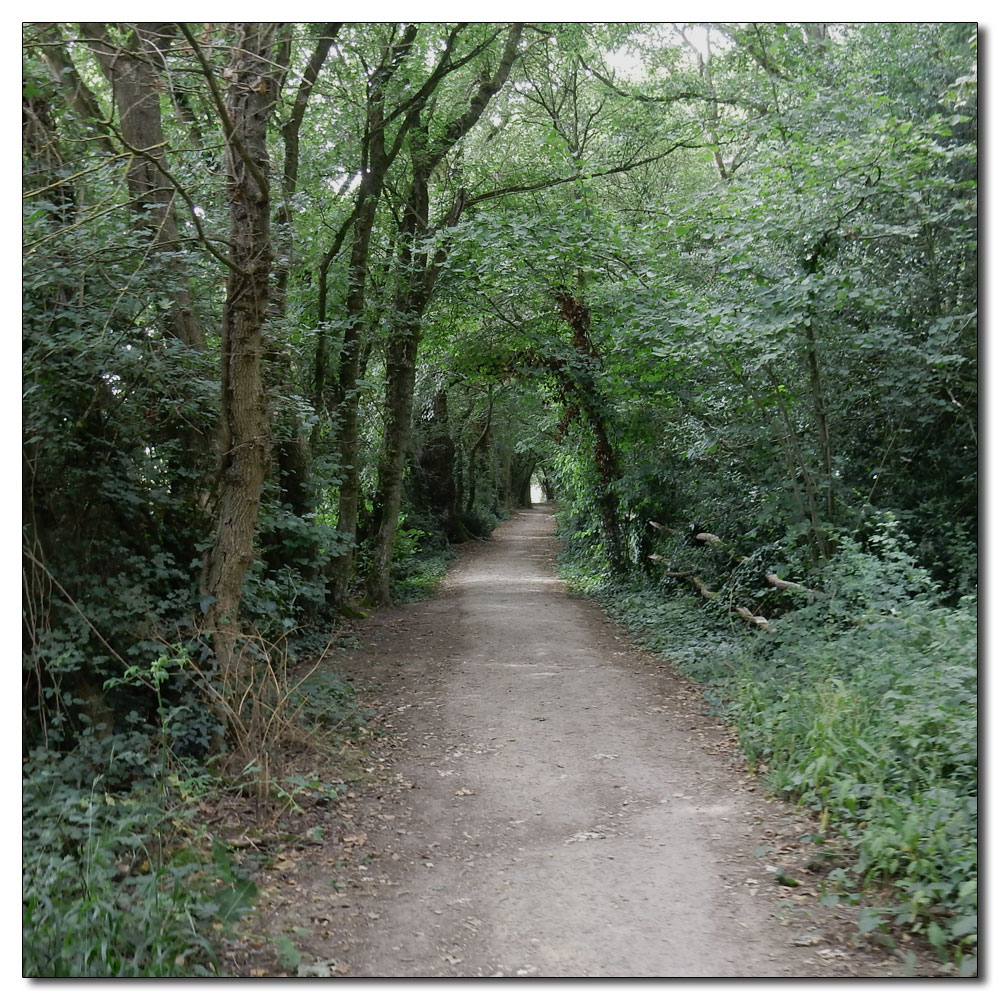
column 464, row 791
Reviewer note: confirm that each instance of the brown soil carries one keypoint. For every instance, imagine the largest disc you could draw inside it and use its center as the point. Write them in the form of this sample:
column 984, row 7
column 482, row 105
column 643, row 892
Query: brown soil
column 541, row 799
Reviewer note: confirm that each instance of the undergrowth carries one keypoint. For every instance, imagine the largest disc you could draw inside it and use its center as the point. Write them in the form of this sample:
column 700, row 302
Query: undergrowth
column 419, row 578
column 122, row 875
column 115, row 880
column 423, row 552
column 860, row 705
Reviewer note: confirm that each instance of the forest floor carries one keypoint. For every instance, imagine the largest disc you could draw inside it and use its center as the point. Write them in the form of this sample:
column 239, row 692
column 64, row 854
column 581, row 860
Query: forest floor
column 538, row 798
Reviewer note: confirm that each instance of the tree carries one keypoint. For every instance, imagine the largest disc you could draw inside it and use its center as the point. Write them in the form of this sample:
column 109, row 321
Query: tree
column 131, row 69
column 416, row 274
column 737, row 288
column 251, row 99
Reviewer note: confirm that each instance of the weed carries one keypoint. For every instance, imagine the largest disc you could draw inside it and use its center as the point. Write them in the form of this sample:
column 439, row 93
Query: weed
column 106, row 891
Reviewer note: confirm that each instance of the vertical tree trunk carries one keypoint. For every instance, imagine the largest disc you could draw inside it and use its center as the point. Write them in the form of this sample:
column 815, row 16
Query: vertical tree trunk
column 812, row 267
column 136, row 85
column 290, row 173
column 437, row 489
column 134, row 71
column 524, row 469
column 346, row 401
column 401, row 372
column 418, row 273
column 481, row 442
column 246, row 456
column 819, row 413
column 292, row 448
column 376, row 161
column 580, row 388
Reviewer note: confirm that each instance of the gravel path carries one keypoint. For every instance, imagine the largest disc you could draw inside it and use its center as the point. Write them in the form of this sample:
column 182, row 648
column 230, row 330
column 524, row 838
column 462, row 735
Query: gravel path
column 551, row 802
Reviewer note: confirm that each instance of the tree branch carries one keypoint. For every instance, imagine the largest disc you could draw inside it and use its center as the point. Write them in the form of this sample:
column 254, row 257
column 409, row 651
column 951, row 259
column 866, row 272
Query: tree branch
column 290, row 130
column 578, row 175
column 681, row 95
column 189, row 201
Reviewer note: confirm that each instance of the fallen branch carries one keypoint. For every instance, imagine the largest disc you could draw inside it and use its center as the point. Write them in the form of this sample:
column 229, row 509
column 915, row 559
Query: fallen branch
column 772, row 578
column 663, row 529
column 706, row 537
column 759, row 620
column 702, row 588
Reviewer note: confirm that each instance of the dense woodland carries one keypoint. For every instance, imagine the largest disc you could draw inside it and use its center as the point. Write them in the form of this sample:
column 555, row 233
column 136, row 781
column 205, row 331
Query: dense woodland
column 307, row 306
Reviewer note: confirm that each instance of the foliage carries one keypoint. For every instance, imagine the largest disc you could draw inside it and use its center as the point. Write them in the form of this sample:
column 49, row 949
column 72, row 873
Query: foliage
column 734, row 288
column 115, row 881
column 860, row 706
column 118, row 881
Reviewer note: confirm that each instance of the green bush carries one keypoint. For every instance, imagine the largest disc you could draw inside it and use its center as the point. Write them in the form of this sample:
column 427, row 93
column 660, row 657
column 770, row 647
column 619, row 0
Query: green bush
column 420, row 558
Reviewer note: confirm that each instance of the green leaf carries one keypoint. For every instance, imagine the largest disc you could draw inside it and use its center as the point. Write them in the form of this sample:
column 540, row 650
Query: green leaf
column 233, row 901
column 288, row 955
column 936, row 935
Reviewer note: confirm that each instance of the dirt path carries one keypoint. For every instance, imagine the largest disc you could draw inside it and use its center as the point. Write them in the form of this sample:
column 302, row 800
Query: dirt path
column 549, row 802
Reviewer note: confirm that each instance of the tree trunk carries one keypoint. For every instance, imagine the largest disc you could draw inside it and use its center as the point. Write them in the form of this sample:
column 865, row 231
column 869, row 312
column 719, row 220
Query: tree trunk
column 418, row 273
column 819, row 413
column 581, row 393
column 416, row 279
column 347, row 401
column 290, row 173
column 437, row 489
column 293, row 452
column 812, row 266
column 376, row 161
column 401, row 371
column 482, row 440
column 136, row 85
column 522, row 471
column 246, row 455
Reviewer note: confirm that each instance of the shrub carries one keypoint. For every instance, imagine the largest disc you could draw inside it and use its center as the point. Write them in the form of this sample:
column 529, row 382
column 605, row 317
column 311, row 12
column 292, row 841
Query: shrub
column 106, row 890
